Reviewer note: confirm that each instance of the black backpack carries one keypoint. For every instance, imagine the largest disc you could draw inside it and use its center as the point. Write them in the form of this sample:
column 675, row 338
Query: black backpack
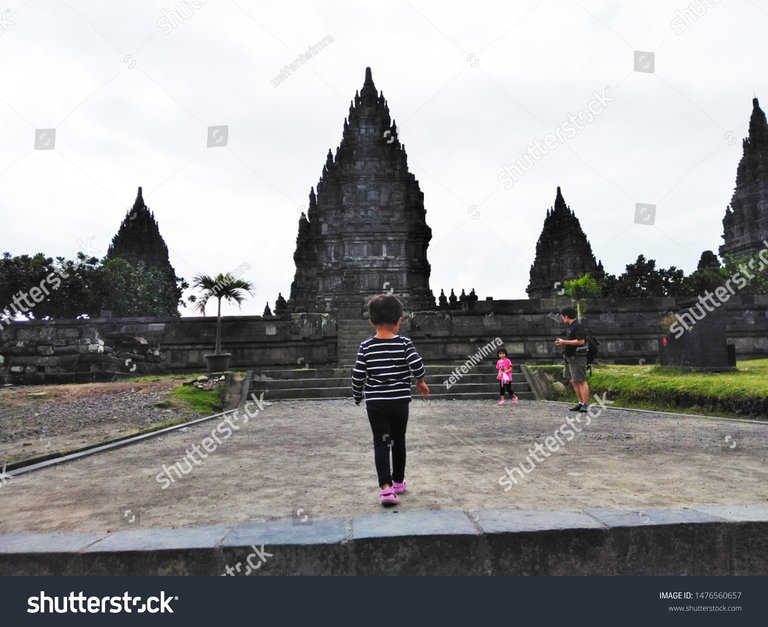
column 593, row 351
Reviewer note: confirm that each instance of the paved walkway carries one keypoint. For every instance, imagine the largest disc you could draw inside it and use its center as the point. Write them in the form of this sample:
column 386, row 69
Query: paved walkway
column 314, row 460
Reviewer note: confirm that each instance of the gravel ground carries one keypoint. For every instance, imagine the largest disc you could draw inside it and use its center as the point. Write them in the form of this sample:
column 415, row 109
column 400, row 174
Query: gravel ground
column 35, row 420
column 315, row 459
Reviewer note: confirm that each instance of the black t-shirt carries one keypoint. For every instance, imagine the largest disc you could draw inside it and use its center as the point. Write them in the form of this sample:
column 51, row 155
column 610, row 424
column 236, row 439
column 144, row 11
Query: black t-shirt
column 573, row 331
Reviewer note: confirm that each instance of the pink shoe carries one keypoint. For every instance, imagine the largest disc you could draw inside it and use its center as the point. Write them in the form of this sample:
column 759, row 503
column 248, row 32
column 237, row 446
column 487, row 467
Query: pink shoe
column 514, row 400
column 501, row 402
column 399, row 488
column 387, row 497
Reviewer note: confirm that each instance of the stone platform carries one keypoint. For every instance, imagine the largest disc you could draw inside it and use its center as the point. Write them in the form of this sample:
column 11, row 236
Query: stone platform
column 633, row 484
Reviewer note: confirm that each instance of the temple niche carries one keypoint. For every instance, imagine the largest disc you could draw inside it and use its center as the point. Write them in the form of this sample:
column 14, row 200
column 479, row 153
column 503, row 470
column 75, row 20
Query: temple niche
column 365, row 230
column 563, row 252
column 745, row 224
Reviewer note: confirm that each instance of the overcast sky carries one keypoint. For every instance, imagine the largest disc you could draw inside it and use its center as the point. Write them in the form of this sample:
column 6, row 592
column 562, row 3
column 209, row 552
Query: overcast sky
column 131, row 90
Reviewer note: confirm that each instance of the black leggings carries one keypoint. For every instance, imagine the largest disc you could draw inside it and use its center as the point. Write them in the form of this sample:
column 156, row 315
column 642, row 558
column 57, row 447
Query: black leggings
column 389, row 420
column 505, row 387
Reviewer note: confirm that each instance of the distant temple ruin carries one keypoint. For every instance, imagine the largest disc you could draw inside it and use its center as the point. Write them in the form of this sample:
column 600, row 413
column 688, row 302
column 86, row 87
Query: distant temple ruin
column 745, row 224
column 138, row 239
column 365, row 230
column 563, row 252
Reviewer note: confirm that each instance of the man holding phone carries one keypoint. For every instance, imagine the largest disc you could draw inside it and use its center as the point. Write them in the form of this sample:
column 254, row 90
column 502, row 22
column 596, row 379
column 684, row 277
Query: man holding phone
column 575, row 359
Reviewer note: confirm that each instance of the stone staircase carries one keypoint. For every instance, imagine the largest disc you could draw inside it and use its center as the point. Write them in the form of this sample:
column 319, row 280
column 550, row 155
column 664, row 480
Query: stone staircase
column 304, row 384
column 351, row 333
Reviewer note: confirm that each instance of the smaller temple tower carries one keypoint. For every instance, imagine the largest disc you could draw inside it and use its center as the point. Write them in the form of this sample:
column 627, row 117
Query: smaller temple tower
column 138, row 240
column 745, row 224
column 563, row 252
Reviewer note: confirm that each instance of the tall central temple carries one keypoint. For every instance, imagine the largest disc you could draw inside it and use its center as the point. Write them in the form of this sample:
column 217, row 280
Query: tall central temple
column 365, row 230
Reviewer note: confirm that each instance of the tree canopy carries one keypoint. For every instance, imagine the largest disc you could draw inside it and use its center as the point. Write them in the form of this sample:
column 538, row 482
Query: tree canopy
column 39, row 287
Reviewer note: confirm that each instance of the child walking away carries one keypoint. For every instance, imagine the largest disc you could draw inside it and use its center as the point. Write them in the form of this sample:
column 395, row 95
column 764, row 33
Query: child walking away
column 504, row 366
column 382, row 375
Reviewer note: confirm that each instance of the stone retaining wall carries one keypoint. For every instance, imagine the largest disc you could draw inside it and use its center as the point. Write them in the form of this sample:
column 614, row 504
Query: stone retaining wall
column 629, row 331
column 717, row 540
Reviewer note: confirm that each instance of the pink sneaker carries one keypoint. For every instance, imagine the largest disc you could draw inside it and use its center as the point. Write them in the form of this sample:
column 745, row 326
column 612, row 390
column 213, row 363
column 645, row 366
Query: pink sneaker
column 514, row 400
column 388, row 497
column 399, row 488
column 501, row 402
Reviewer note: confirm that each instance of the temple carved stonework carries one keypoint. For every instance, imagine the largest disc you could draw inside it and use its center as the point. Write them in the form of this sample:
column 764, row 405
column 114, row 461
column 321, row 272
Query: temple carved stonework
column 745, row 224
column 563, row 252
column 365, row 230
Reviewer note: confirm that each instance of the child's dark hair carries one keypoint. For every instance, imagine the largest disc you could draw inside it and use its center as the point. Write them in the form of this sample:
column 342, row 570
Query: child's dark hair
column 500, row 351
column 570, row 312
column 385, row 309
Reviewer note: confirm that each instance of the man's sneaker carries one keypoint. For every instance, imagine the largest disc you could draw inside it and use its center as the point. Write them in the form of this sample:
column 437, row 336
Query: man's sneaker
column 399, row 488
column 387, row 497
column 584, row 408
column 576, row 407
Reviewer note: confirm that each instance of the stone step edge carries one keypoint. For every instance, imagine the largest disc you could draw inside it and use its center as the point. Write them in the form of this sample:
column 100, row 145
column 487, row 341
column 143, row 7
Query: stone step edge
column 350, row 544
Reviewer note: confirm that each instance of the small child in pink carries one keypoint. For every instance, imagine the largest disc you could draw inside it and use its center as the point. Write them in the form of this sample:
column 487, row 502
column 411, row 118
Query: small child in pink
column 504, row 366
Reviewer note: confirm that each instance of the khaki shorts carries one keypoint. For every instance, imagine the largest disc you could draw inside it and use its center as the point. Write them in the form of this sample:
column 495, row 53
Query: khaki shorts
column 575, row 368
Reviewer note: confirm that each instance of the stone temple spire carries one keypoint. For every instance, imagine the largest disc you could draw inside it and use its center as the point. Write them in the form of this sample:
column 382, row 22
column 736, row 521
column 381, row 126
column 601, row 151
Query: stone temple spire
column 365, row 230
column 563, row 252
column 138, row 238
column 745, row 224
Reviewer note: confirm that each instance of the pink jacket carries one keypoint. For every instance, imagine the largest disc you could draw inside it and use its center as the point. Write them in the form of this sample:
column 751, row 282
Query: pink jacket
column 502, row 365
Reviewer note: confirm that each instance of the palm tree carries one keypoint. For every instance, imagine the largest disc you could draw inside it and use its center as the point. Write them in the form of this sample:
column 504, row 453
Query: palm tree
column 223, row 286
column 586, row 286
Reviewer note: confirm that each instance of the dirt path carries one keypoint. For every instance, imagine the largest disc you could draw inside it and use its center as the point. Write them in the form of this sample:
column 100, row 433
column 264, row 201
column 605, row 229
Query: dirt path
column 315, row 459
column 36, row 420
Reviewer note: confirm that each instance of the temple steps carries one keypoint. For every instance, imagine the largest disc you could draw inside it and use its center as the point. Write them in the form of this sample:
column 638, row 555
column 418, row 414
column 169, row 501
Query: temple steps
column 334, row 383
column 351, row 333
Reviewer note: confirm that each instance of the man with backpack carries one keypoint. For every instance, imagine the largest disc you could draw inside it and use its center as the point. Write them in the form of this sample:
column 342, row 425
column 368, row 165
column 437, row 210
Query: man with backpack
column 575, row 354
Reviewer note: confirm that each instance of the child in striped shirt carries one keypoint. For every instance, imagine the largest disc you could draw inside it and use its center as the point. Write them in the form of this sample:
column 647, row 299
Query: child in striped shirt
column 382, row 375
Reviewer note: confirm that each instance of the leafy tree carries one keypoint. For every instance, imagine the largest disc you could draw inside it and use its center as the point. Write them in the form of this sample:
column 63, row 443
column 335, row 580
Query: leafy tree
column 17, row 275
column 126, row 289
column 85, row 287
column 672, row 281
column 758, row 284
column 74, row 298
column 52, row 288
column 708, row 275
column 642, row 279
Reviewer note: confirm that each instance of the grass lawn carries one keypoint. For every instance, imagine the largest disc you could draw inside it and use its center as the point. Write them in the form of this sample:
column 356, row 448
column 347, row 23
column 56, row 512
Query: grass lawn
column 742, row 393
column 203, row 401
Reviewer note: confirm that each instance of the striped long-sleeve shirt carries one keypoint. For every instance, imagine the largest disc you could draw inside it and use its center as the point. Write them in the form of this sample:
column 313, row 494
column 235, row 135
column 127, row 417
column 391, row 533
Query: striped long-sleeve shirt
column 383, row 369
